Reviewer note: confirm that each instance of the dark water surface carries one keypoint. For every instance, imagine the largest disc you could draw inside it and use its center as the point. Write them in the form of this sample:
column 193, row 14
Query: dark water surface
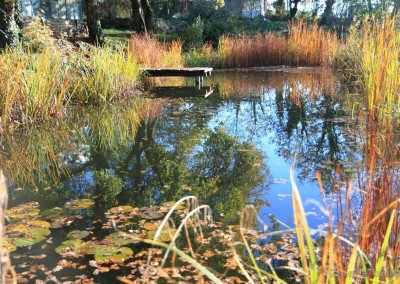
column 230, row 149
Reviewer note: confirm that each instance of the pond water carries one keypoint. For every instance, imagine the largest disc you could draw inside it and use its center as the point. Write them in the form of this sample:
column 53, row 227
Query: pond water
column 233, row 148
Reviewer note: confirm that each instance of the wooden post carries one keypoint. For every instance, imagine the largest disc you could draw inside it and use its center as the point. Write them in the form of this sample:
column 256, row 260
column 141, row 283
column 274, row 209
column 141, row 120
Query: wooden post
column 199, row 82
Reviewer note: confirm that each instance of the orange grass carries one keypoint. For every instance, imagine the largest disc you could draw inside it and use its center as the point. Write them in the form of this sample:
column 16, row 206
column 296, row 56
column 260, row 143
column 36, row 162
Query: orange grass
column 151, row 53
column 305, row 45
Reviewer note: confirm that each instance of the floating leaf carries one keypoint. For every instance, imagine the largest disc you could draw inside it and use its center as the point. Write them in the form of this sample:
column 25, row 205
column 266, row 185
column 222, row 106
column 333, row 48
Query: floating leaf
column 53, row 213
column 37, row 224
column 165, row 235
column 90, row 247
column 77, row 235
column 6, row 243
column 169, row 205
column 150, row 226
column 113, row 254
column 28, row 240
column 79, row 204
column 23, row 211
column 121, row 239
column 151, row 213
column 121, row 209
column 68, row 246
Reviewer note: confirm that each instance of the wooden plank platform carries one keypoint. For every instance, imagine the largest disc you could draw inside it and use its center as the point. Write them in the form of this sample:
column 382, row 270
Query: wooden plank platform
column 182, row 92
column 184, row 72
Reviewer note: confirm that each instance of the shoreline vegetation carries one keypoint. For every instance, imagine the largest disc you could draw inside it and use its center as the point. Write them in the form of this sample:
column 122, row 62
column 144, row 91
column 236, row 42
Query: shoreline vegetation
column 40, row 80
column 39, row 84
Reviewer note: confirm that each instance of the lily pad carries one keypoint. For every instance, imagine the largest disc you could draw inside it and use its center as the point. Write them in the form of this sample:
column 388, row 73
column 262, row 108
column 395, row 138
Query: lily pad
column 29, row 237
column 77, row 235
column 121, row 209
column 150, row 226
column 150, row 213
column 90, row 247
column 113, row 254
column 5, row 243
column 169, row 205
column 69, row 246
column 165, row 235
column 79, row 204
column 120, row 239
column 23, row 211
column 53, row 213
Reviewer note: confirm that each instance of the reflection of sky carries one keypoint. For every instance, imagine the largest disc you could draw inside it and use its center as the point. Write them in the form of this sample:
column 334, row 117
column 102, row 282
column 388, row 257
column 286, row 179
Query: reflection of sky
column 240, row 120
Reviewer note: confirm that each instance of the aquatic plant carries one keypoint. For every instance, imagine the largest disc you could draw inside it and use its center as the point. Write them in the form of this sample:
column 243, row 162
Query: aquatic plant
column 151, row 53
column 38, row 86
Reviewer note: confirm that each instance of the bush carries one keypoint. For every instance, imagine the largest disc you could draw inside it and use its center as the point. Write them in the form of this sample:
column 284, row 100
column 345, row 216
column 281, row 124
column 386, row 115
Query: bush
column 193, row 37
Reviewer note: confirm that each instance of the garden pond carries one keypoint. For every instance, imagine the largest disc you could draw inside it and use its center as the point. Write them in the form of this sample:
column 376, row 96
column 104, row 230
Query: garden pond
column 130, row 162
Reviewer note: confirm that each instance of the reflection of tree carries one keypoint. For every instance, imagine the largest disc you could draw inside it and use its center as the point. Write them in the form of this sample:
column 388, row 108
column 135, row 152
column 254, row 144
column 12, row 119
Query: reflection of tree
column 302, row 115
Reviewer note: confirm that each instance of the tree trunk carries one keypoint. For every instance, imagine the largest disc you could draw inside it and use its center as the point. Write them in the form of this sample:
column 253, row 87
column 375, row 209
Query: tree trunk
column 142, row 15
column 96, row 35
column 327, row 15
column 147, row 13
column 137, row 17
column 9, row 30
column 293, row 8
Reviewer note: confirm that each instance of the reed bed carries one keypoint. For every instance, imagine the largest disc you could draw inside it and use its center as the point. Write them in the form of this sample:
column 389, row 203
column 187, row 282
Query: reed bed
column 151, row 53
column 304, row 45
column 309, row 45
column 37, row 86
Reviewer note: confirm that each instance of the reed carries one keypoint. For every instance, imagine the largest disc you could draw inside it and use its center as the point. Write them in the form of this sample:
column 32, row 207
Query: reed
column 381, row 78
column 34, row 86
column 309, row 45
column 104, row 74
column 151, row 53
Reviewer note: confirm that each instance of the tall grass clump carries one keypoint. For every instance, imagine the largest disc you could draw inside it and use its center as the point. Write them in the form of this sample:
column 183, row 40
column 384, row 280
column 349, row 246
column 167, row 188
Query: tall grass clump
column 151, row 53
column 310, row 45
column 252, row 51
column 104, row 74
column 34, row 86
column 381, row 50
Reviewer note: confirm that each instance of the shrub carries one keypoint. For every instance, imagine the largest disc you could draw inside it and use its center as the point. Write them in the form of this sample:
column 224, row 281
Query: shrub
column 194, row 34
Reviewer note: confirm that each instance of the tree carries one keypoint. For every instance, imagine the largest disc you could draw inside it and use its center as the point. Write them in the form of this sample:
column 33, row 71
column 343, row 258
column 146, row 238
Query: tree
column 279, row 6
column 9, row 30
column 293, row 8
column 142, row 15
column 327, row 15
column 96, row 35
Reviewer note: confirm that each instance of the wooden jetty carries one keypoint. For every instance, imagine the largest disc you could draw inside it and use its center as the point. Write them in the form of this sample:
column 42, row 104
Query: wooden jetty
column 198, row 72
column 182, row 92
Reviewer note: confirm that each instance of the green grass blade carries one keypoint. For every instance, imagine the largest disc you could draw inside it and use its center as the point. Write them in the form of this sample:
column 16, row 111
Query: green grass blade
column 379, row 264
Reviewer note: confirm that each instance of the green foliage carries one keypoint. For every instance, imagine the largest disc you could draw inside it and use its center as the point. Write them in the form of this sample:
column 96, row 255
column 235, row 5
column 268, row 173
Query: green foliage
column 108, row 185
column 205, row 8
column 193, row 38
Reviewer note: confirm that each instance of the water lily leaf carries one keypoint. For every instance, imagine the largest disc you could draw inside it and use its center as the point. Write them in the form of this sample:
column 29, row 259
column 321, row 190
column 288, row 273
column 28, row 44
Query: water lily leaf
column 150, row 226
column 120, row 239
column 77, row 235
column 6, row 243
column 28, row 240
column 113, row 254
column 121, row 209
column 150, row 213
column 38, row 231
column 29, row 237
column 165, row 235
column 53, row 213
column 68, row 246
column 169, row 205
column 79, row 204
column 23, row 211
column 90, row 247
